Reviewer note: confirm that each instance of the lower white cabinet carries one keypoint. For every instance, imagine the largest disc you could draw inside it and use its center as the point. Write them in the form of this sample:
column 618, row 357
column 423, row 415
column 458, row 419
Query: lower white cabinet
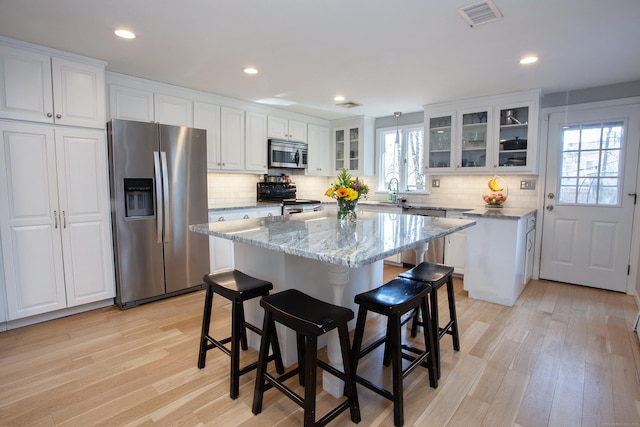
column 54, row 218
column 221, row 250
column 455, row 246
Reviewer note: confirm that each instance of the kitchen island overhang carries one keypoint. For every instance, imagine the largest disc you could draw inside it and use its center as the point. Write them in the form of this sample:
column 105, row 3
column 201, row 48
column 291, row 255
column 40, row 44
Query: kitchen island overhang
column 327, row 259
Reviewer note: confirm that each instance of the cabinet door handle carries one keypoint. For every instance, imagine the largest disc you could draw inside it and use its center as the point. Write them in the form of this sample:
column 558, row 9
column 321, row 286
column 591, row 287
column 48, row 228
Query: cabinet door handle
column 55, row 219
column 221, row 218
column 49, row 115
column 58, row 116
column 246, row 217
column 64, row 220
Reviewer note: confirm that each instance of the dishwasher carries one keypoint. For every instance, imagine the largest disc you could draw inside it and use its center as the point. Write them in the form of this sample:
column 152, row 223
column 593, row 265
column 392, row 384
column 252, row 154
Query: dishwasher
column 435, row 253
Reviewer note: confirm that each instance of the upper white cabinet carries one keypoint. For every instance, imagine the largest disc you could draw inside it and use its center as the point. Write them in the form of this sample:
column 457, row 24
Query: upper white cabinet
column 232, row 144
column 36, row 86
column 255, row 142
column 207, row 117
column 292, row 130
column 146, row 106
column 354, row 145
column 54, row 218
column 319, row 149
column 492, row 134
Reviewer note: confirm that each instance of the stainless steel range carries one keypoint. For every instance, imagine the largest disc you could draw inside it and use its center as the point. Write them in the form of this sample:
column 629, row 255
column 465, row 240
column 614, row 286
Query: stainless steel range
column 279, row 188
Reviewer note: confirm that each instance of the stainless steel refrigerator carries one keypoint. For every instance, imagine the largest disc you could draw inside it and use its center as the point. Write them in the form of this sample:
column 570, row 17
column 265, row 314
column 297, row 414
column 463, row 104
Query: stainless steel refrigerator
column 158, row 177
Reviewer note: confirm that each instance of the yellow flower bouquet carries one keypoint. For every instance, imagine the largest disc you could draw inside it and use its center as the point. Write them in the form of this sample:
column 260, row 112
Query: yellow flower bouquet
column 347, row 191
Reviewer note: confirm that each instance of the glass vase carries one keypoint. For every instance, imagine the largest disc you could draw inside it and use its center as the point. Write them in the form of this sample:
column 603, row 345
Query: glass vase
column 347, row 210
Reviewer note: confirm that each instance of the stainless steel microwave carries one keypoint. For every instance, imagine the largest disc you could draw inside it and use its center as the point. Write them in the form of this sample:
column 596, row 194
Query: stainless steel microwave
column 287, row 154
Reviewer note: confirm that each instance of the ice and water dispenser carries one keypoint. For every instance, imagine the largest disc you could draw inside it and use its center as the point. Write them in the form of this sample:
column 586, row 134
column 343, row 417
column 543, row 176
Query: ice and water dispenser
column 138, row 194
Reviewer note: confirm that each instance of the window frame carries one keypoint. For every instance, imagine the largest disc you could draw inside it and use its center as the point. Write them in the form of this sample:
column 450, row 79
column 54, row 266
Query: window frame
column 382, row 185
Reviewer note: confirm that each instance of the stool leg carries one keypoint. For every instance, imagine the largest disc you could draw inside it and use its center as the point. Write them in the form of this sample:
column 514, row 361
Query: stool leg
column 349, row 384
column 436, row 329
column 300, row 346
column 206, row 321
column 415, row 323
column 275, row 344
column 268, row 328
column 452, row 314
column 395, row 341
column 237, row 333
column 386, row 359
column 243, row 330
column 357, row 338
column 310, row 372
column 429, row 342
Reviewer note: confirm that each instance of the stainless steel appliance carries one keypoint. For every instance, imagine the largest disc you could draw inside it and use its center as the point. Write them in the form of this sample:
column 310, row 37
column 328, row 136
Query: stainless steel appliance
column 158, row 177
column 287, row 154
column 278, row 188
column 435, row 252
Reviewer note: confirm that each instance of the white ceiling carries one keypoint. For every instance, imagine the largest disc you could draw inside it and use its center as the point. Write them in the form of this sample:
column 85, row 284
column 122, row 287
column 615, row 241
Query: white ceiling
column 386, row 55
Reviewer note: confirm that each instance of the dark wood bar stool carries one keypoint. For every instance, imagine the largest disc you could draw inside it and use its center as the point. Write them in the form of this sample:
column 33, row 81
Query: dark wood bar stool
column 436, row 275
column 309, row 318
column 393, row 300
column 237, row 287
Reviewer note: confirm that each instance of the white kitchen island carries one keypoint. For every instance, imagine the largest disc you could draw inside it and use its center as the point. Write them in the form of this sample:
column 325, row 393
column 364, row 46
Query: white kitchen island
column 329, row 260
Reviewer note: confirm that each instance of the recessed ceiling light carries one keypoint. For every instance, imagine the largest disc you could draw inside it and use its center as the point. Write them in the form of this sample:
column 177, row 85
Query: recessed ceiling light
column 251, row 70
column 125, row 34
column 339, row 98
column 529, row 60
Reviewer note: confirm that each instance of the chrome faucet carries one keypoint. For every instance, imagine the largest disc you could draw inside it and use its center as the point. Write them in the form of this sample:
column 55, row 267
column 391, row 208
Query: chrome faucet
column 391, row 181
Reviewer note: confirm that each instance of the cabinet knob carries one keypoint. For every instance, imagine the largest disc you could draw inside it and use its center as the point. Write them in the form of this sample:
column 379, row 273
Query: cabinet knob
column 221, row 218
column 58, row 116
column 49, row 115
column 246, row 217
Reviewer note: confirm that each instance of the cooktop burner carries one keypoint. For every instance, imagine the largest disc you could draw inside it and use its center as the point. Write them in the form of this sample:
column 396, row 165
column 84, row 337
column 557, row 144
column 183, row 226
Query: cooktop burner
column 288, row 202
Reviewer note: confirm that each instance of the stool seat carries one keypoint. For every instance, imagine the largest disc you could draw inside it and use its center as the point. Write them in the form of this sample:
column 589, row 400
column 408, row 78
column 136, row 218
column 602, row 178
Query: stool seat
column 430, row 272
column 237, row 287
column 393, row 300
column 309, row 318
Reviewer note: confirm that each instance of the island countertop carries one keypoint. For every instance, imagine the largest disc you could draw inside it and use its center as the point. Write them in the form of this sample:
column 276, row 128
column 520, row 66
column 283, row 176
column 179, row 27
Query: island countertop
column 320, row 236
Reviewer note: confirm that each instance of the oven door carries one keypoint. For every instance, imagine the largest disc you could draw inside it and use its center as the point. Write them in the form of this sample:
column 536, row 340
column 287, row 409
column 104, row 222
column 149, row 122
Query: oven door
column 300, row 208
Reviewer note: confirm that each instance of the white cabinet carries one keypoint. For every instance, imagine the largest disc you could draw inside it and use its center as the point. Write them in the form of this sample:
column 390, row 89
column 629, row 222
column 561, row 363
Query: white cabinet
column 319, row 149
column 255, row 142
column 529, row 249
column 221, row 250
column 483, row 135
column 232, row 139
column 54, row 218
column 455, row 246
column 291, row 130
column 36, row 86
column 354, row 145
column 496, row 260
column 207, row 117
column 146, row 106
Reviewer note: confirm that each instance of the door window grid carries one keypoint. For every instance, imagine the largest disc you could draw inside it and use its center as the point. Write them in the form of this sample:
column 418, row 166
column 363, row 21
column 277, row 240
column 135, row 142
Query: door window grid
column 591, row 164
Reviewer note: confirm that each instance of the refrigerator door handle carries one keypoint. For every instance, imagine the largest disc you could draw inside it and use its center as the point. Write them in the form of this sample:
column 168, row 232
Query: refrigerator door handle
column 159, row 207
column 165, row 198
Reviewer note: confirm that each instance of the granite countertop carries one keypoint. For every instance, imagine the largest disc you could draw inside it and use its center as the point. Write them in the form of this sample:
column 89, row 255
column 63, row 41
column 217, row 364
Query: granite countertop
column 320, row 236
column 501, row 213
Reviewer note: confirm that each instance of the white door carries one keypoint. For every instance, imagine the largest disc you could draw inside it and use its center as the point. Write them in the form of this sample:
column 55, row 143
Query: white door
column 30, row 221
column 231, row 139
column 85, row 224
column 589, row 198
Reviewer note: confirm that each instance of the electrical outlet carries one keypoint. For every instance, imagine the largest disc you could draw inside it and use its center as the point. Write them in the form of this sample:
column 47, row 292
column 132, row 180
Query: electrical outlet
column 435, row 183
column 528, row 184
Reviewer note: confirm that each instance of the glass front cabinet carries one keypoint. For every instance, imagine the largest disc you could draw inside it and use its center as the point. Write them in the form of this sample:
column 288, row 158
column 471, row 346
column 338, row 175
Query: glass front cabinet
column 354, row 145
column 485, row 135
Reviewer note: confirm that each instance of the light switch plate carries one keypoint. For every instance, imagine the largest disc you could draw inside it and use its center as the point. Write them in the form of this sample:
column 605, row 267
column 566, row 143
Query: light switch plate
column 528, row 184
column 435, row 183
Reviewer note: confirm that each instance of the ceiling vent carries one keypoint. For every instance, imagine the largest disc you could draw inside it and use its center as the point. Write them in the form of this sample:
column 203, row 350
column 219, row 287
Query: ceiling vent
column 480, row 13
column 349, row 104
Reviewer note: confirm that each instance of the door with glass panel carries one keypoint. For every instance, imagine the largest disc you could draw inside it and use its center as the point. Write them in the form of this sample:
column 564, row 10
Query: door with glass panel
column 590, row 192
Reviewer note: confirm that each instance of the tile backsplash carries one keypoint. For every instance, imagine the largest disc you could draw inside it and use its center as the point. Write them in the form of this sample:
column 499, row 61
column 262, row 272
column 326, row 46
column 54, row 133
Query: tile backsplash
column 228, row 189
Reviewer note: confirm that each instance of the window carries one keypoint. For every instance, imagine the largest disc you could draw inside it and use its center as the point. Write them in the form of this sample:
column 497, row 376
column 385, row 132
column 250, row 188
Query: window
column 402, row 158
column 591, row 164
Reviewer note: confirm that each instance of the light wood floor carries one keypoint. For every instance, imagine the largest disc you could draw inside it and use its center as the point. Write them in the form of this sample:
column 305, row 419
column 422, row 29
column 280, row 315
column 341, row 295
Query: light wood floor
column 562, row 356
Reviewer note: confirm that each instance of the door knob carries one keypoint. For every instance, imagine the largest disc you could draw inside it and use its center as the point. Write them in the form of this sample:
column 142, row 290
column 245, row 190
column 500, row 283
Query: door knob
column 550, row 207
column 550, row 196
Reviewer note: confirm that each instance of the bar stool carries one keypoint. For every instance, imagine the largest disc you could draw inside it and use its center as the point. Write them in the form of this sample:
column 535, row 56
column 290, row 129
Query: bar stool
column 394, row 299
column 309, row 318
column 237, row 287
column 436, row 275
